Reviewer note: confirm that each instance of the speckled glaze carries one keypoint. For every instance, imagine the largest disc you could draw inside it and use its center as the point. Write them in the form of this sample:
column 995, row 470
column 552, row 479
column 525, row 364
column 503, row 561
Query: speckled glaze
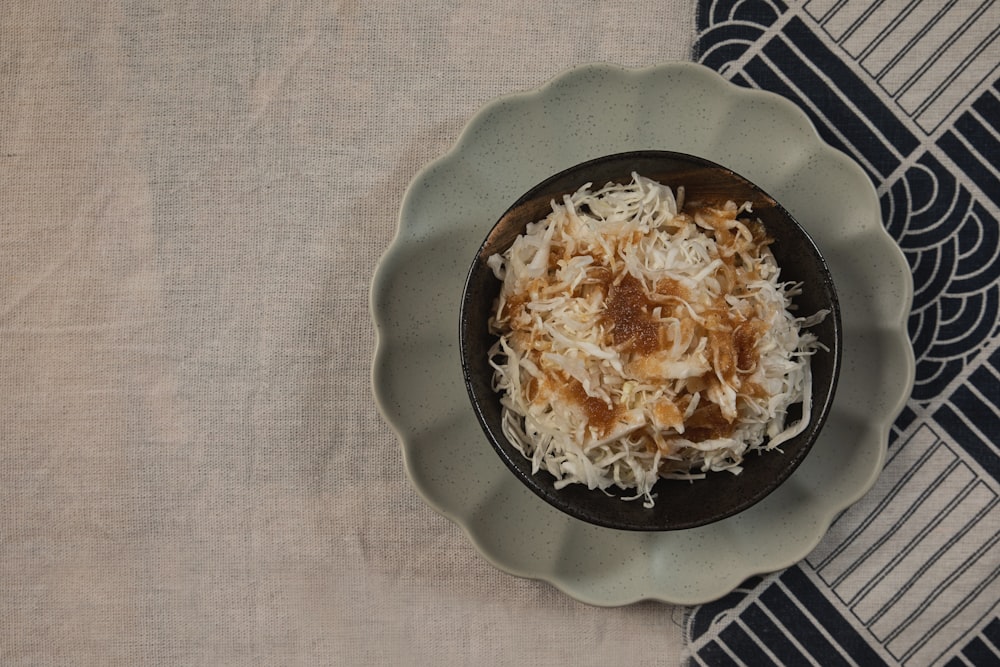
column 519, row 140
column 679, row 505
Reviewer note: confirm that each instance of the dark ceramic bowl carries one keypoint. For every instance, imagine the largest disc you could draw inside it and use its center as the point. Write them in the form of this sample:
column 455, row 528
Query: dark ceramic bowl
column 679, row 504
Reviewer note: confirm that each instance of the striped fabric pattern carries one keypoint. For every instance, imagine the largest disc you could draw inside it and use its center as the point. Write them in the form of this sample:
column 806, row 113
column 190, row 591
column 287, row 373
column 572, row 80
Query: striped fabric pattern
column 911, row 90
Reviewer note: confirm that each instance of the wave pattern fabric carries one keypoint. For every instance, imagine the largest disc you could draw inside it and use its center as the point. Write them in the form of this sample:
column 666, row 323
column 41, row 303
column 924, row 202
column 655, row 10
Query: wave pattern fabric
column 911, row 574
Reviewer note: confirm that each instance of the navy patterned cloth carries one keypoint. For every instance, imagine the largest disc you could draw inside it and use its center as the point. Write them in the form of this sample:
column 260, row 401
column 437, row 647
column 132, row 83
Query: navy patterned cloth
column 911, row 90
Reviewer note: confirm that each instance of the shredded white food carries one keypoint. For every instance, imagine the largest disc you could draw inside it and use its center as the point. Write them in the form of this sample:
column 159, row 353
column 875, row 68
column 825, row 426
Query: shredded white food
column 638, row 340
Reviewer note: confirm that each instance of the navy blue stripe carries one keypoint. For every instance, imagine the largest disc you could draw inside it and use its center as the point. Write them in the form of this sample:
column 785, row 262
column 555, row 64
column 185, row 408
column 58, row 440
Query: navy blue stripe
column 772, row 636
column 713, row 656
column 830, row 618
column 989, row 387
column 978, row 412
column 994, row 359
column 906, row 417
column 800, row 626
column 988, row 106
column 852, row 86
column 743, row 645
column 835, row 112
column 986, row 382
column 972, row 443
column 955, row 662
column 979, row 653
column 978, row 135
column 970, row 165
column 992, row 632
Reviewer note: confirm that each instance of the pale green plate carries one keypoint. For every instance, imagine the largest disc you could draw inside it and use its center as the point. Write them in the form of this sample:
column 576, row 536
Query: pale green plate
column 518, row 140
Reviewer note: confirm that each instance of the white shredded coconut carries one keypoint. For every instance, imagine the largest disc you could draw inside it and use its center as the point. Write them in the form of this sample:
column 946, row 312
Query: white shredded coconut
column 638, row 340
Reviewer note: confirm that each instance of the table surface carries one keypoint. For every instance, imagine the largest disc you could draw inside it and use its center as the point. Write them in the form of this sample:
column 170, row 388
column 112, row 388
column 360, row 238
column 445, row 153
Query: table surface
column 193, row 200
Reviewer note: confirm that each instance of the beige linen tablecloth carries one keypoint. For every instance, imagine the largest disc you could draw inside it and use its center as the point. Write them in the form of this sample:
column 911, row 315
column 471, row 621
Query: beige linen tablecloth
column 193, row 197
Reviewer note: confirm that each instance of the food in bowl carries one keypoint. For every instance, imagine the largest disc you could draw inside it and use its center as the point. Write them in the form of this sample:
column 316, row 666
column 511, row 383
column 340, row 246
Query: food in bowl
column 643, row 337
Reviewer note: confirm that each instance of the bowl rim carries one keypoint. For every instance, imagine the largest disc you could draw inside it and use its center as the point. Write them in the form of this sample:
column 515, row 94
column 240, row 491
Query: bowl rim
column 541, row 483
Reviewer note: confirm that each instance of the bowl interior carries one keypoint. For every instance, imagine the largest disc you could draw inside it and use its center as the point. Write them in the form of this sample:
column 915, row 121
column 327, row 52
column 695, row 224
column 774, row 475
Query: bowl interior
column 679, row 504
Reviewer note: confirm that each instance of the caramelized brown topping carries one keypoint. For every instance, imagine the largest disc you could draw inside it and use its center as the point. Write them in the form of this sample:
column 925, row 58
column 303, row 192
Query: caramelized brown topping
column 630, row 312
column 668, row 287
column 720, row 341
column 745, row 340
column 667, row 414
column 514, row 305
column 707, row 423
column 600, row 416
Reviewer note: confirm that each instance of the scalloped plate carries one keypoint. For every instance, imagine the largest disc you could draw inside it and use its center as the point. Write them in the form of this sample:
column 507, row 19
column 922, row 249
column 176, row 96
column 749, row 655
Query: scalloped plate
column 517, row 141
